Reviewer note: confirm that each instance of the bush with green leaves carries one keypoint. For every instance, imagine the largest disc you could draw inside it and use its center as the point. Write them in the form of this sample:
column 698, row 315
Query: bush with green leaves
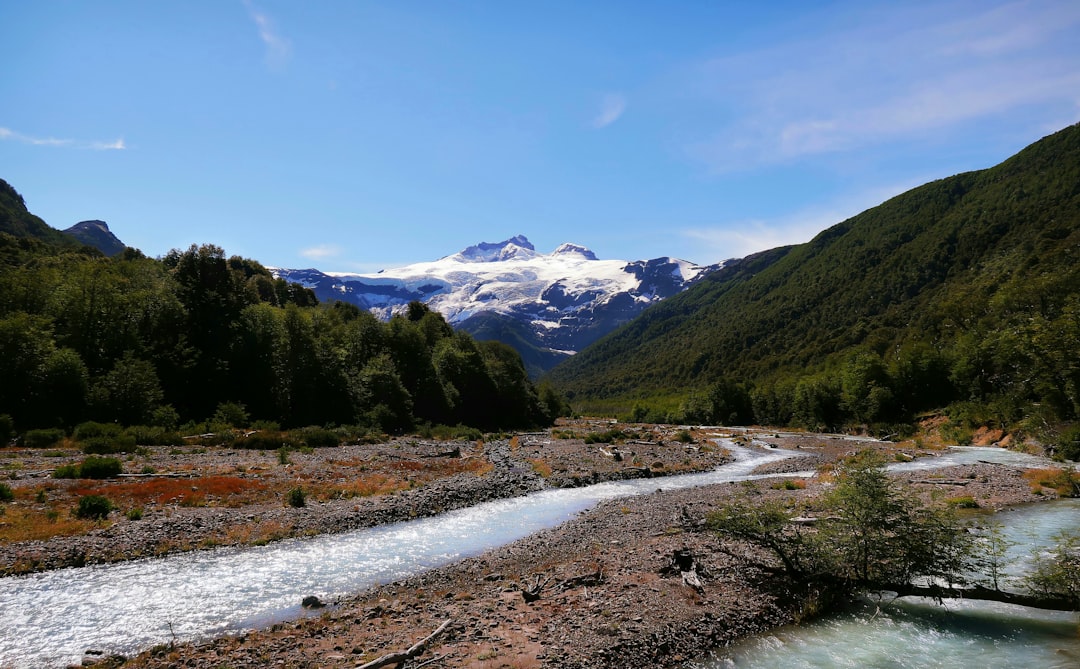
column 7, row 429
column 93, row 507
column 103, row 438
column 43, row 438
column 233, row 414
column 296, row 498
column 1067, row 443
column 100, row 468
column 153, row 435
column 6, row 493
column 67, row 472
column 319, row 437
column 266, row 441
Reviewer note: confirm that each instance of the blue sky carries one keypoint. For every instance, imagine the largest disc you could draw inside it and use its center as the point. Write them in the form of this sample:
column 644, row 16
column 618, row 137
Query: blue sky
column 356, row 135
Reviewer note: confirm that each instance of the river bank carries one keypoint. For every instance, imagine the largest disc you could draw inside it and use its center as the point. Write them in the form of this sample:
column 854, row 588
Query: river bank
column 608, row 595
column 170, row 500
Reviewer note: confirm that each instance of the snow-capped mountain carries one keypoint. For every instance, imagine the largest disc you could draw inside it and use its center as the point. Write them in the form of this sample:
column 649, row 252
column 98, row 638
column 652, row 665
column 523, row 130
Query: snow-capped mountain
column 547, row 306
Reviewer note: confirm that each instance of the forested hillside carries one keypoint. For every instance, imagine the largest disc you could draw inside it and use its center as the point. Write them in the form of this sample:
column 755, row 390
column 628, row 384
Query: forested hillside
column 963, row 293
column 143, row 341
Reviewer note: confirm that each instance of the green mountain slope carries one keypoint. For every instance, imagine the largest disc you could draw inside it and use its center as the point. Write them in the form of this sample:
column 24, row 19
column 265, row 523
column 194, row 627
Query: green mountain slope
column 16, row 221
column 930, row 277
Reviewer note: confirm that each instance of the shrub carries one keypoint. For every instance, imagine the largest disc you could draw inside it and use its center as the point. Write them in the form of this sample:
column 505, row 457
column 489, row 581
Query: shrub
column 165, row 416
column 152, row 435
column 91, row 429
column 7, row 429
column 1064, row 481
column 94, row 507
column 66, row 472
column 265, row 441
column 103, row 438
column 790, row 484
column 963, row 502
column 1067, row 443
column 319, row 437
column 135, row 513
column 684, row 436
column 100, row 468
column 606, row 437
column 296, row 497
column 231, row 414
column 42, row 438
column 121, row 443
column 6, row 494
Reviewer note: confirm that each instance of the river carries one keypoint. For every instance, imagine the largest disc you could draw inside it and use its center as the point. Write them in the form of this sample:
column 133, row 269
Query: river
column 50, row 619
column 917, row 633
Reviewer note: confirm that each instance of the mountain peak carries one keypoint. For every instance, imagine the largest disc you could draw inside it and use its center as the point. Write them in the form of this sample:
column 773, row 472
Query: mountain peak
column 97, row 234
column 574, row 249
column 517, row 246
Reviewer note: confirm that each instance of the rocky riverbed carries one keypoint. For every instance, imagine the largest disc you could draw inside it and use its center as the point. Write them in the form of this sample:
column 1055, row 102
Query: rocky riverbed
column 632, row 582
column 171, row 499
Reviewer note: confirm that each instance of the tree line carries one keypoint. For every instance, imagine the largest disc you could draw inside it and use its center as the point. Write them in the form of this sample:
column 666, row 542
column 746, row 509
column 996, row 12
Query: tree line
column 143, row 341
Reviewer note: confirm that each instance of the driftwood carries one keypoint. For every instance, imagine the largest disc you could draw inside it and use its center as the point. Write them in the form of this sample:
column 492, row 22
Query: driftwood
column 413, row 650
column 594, row 579
column 453, row 453
column 532, row 594
column 943, row 481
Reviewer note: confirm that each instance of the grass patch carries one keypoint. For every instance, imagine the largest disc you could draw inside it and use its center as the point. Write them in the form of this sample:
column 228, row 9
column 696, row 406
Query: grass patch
column 26, row 524
column 540, row 467
column 962, row 502
column 1063, row 481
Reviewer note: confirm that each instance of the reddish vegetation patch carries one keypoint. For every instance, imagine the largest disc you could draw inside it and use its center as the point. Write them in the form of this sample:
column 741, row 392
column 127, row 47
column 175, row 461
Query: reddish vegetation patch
column 225, row 490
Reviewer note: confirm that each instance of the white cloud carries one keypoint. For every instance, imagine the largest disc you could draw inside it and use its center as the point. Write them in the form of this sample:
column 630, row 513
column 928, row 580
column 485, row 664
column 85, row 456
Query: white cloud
column 115, row 145
column 737, row 239
column 321, row 252
column 903, row 73
column 278, row 47
column 611, row 109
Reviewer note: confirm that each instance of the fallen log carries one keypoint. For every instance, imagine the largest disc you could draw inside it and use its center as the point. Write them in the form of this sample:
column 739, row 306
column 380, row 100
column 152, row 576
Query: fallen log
column 942, row 481
column 978, row 592
column 452, row 453
column 401, row 656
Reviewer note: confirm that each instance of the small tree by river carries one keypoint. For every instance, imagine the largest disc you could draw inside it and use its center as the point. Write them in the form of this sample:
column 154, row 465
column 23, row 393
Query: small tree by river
column 866, row 534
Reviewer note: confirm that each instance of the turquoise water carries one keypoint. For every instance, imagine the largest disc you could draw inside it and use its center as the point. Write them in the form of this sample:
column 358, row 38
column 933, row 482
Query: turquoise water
column 914, row 633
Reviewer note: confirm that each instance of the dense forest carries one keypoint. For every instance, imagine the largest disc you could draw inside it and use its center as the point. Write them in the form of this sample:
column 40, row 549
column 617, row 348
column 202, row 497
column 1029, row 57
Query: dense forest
column 962, row 295
column 162, row 342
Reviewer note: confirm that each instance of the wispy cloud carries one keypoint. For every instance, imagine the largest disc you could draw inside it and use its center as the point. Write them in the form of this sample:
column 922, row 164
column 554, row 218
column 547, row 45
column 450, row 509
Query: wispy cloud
column 278, row 47
column 736, row 239
column 611, row 109
column 321, row 252
column 905, row 72
column 114, row 145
